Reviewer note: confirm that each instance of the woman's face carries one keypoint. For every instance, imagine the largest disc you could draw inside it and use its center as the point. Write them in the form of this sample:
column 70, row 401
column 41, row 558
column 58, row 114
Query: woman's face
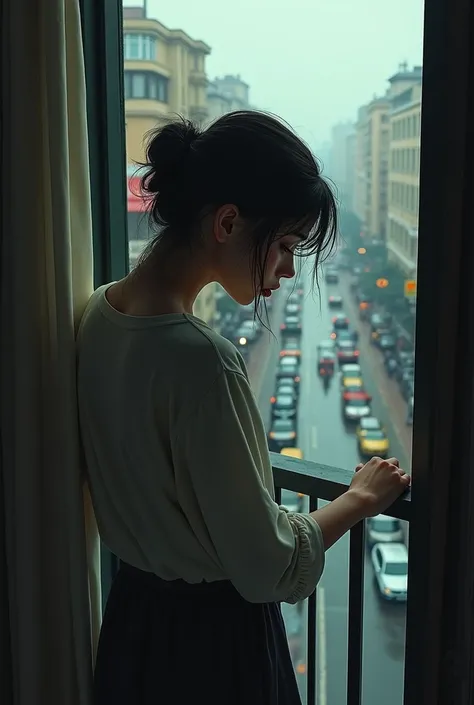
column 236, row 270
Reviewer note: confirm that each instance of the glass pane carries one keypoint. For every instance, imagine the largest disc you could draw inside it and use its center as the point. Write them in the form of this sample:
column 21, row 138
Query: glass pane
column 346, row 93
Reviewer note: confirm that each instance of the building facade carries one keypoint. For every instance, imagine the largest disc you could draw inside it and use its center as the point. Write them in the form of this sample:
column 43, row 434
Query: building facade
column 340, row 159
column 164, row 74
column 350, row 168
column 225, row 95
column 404, row 167
column 360, row 175
column 376, row 168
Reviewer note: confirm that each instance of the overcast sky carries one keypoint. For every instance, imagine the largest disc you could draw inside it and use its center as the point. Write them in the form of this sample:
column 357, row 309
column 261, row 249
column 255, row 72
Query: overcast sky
column 314, row 62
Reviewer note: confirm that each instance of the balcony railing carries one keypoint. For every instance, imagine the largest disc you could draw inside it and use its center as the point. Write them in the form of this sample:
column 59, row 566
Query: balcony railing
column 321, row 482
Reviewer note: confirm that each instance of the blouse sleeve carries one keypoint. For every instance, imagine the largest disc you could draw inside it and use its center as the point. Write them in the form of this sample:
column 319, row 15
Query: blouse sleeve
column 269, row 554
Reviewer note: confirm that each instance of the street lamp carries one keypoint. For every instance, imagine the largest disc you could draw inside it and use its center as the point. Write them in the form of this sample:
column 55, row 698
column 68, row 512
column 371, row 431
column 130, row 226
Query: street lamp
column 382, row 283
column 362, row 251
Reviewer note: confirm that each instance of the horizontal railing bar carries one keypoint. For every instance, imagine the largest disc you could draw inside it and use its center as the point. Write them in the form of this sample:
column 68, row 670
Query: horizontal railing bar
column 324, row 481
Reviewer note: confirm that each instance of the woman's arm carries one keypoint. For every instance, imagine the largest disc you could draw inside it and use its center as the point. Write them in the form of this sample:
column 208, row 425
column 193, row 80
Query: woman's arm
column 375, row 486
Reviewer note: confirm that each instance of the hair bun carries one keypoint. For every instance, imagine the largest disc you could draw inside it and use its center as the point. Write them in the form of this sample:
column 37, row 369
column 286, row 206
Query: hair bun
column 168, row 152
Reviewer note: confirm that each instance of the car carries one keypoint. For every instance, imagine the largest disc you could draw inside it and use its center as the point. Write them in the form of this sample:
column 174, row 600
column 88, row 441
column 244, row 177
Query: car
column 351, row 369
column 346, row 352
column 288, row 367
column 283, row 406
column 377, row 333
column 390, row 563
column 332, row 276
column 245, row 335
column 292, row 309
column 282, row 434
column 291, row 325
column 324, row 345
column 402, row 366
column 351, row 383
column 405, row 358
column 335, row 301
column 288, row 382
column 379, row 320
column 369, row 423
column 292, row 347
column 406, row 374
column 344, row 334
column 387, row 342
column 286, row 388
column 373, row 442
column 383, row 529
column 340, row 321
column 355, row 405
column 408, row 388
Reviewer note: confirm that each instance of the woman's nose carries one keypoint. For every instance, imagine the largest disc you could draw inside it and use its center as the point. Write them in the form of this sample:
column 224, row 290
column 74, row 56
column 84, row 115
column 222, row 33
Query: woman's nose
column 287, row 272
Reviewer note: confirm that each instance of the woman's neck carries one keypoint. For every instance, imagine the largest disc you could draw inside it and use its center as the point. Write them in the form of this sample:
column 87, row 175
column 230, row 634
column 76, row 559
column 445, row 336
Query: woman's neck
column 167, row 281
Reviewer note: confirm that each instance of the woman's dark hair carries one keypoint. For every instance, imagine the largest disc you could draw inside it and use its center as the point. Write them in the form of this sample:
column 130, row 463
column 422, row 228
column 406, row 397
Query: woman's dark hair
column 247, row 158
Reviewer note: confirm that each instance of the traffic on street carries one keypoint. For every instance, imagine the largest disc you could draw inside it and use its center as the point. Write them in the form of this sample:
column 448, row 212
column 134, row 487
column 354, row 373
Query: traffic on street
column 324, row 390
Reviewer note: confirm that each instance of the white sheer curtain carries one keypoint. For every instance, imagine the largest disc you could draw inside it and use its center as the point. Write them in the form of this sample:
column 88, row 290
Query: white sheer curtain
column 46, row 278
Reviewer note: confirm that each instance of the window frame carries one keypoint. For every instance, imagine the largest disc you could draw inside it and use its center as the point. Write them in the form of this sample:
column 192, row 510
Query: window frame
column 102, row 23
column 439, row 649
column 439, row 662
column 147, row 45
column 150, row 78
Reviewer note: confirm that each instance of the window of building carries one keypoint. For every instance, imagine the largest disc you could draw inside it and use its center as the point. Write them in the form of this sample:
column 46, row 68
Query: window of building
column 139, row 47
column 145, row 85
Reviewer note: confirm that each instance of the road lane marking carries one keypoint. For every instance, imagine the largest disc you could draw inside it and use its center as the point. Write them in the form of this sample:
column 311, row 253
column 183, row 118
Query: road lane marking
column 321, row 673
column 314, row 437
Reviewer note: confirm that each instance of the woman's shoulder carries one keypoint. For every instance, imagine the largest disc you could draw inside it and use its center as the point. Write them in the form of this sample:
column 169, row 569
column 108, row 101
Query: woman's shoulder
column 209, row 344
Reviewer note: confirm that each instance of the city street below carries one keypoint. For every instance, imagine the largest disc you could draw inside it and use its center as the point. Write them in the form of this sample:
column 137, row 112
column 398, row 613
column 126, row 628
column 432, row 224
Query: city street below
column 324, row 437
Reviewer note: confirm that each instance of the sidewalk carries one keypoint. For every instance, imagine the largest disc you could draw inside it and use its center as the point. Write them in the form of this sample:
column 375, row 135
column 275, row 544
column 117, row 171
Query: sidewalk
column 387, row 387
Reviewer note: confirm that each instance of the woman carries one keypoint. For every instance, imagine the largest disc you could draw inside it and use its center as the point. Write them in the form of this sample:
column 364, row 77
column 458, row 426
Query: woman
column 175, row 446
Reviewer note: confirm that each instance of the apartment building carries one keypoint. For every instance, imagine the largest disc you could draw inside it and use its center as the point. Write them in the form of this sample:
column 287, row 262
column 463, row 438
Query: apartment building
column 373, row 164
column 164, row 74
column 404, row 167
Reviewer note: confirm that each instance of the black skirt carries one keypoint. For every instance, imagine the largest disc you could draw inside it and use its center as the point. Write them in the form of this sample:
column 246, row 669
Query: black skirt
column 172, row 643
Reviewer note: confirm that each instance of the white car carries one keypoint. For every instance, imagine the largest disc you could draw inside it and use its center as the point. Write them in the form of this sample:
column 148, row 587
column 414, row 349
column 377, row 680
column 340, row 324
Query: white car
column 383, row 529
column 351, row 369
column 390, row 562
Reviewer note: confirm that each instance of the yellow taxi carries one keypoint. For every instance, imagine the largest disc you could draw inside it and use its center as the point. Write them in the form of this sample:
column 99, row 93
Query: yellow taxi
column 298, row 507
column 292, row 453
column 372, row 438
column 351, row 382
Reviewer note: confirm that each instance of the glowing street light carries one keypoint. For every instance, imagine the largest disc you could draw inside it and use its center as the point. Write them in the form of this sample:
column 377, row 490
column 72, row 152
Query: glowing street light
column 382, row 283
column 362, row 251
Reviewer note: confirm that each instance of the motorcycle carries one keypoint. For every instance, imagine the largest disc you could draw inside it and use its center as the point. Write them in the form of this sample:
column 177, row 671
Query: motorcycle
column 326, row 372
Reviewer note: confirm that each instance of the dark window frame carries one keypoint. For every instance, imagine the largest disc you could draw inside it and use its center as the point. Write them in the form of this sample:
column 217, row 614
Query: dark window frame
column 440, row 613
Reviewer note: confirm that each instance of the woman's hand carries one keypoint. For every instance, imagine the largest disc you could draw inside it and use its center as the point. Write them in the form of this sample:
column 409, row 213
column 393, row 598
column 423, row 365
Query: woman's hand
column 378, row 483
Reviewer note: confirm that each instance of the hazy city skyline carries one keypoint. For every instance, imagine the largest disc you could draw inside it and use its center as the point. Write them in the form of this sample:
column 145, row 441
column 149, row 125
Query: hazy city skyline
column 313, row 63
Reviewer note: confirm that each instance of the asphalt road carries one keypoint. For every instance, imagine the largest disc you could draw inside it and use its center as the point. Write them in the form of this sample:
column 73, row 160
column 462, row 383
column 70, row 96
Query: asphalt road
column 324, row 438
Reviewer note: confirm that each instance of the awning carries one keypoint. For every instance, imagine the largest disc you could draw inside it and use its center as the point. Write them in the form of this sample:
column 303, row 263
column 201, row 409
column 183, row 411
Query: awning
column 136, row 201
